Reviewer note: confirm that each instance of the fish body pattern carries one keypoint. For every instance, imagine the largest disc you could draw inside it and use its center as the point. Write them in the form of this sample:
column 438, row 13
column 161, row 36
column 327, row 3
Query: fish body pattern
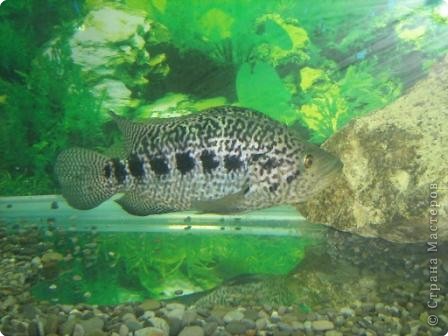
column 222, row 160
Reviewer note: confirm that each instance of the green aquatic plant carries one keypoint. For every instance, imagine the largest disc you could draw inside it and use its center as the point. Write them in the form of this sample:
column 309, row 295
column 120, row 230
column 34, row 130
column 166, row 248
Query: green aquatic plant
column 260, row 88
column 160, row 261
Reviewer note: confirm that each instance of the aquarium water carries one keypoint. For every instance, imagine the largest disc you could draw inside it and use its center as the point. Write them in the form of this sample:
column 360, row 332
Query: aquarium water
column 340, row 229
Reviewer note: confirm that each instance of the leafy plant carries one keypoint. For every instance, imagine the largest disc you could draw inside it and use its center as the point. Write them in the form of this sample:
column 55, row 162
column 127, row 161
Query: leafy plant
column 198, row 262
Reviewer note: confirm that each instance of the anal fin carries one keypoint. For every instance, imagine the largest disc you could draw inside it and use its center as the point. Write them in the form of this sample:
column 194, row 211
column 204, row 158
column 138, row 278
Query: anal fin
column 231, row 203
column 136, row 204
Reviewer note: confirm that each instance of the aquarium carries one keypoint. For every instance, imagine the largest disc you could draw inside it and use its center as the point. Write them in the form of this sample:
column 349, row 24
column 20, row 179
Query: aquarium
column 227, row 167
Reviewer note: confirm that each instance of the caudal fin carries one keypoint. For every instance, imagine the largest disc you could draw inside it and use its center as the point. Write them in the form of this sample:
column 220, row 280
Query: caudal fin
column 82, row 175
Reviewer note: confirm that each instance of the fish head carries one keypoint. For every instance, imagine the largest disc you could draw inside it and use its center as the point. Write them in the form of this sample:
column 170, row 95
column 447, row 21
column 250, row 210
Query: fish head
column 317, row 169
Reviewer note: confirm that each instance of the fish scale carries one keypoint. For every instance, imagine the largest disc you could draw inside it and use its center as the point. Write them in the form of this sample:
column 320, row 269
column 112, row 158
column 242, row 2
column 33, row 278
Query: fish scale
column 224, row 159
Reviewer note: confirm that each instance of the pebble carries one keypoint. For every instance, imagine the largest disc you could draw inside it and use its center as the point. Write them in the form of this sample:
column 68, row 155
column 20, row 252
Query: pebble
column 333, row 333
column 150, row 305
column 189, row 317
column 347, row 311
column 176, row 313
column 322, row 325
column 149, row 331
column 237, row 327
column 233, row 315
column 78, row 330
column 128, row 317
column 192, row 331
column 175, row 326
column 133, row 325
column 91, row 325
column 160, row 324
column 275, row 317
column 261, row 323
column 124, row 330
column 209, row 328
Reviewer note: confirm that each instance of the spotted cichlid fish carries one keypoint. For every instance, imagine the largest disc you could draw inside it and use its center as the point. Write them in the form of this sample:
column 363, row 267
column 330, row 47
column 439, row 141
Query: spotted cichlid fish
column 224, row 159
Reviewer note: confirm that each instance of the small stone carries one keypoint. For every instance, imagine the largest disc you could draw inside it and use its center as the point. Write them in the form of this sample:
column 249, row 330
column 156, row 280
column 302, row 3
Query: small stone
column 174, row 305
column 175, row 326
column 67, row 327
column 233, row 315
column 333, row 333
column 189, row 317
column 275, row 317
column 322, row 325
column 133, row 325
column 91, row 325
column 261, row 323
column 160, row 324
column 237, row 327
column 192, row 331
column 176, row 313
column 128, row 317
column 347, row 312
column 51, row 258
column 150, row 305
column 282, row 310
column 209, row 328
column 124, row 330
column 78, row 330
column 285, row 327
column 297, row 325
column 150, row 331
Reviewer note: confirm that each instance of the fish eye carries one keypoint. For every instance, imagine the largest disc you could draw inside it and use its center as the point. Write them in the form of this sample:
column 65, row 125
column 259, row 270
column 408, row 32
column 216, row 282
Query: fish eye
column 308, row 161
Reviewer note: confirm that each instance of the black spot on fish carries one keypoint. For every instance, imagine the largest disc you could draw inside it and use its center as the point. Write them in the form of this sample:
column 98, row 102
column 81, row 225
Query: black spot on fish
column 273, row 188
column 256, row 157
column 159, row 166
column 184, row 162
column 136, row 166
column 107, row 171
column 54, row 205
column 270, row 164
column 208, row 161
column 292, row 177
column 119, row 170
column 232, row 162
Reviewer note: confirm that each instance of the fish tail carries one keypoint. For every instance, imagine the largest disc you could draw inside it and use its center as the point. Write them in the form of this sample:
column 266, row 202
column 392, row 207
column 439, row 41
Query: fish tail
column 83, row 177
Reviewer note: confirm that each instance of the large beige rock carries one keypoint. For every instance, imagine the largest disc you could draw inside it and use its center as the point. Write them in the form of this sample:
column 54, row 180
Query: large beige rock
column 392, row 160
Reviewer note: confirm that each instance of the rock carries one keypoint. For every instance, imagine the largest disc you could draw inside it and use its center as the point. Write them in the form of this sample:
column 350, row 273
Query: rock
column 189, row 317
column 209, row 328
column 192, row 331
column 175, row 326
column 333, row 333
column 78, row 330
column 161, row 324
column 237, row 327
column 92, row 324
column 128, row 317
column 233, row 315
column 51, row 258
column 150, row 331
column 261, row 323
column 133, row 325
column 322, row 325
column 150, row 305
column 124, row 330
column 391, row 159
column 176, row 314
column 275, row 317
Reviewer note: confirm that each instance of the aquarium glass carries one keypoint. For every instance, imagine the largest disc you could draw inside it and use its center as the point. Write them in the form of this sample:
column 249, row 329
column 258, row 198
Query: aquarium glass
column 364, row 80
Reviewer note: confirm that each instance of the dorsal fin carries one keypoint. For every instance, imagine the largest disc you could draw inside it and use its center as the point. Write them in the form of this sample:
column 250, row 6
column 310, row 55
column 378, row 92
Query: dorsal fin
column 132, row 132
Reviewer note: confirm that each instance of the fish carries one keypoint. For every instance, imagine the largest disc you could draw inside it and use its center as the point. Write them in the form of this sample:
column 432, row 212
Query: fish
column 221, row 160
